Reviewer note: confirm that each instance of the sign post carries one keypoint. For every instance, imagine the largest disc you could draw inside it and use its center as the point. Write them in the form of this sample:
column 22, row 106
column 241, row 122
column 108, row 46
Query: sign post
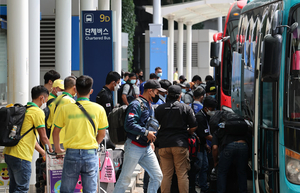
column 97, row 42
column 159, row 55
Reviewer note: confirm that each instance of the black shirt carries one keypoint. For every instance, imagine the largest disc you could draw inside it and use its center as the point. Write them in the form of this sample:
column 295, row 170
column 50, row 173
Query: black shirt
column 174, row 118
column 105, row 99
column 203, row 126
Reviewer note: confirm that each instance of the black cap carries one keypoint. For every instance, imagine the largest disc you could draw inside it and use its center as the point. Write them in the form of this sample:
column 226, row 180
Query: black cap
column 185, row 85
column 153, row 76
column 153, row 84
column 174, row 89
column 210, row 86
column 182, row 77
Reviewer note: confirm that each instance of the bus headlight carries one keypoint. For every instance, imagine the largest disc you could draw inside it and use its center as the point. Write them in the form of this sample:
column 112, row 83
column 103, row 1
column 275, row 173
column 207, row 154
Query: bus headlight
column 292, row 166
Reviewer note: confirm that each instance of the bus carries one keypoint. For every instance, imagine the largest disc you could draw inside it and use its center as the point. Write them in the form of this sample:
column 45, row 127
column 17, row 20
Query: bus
column 223, row 71
column 265, row 89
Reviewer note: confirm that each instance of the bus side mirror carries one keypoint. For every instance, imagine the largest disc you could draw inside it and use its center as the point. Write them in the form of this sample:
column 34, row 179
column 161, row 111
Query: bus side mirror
column 271, row 58
column 214, row 54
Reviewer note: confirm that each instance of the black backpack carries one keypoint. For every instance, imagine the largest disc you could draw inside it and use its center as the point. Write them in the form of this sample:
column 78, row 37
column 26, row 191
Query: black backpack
column 116, row 121
column 130, row 98
column 235, row 125
column 47, row 111
column 10, row 118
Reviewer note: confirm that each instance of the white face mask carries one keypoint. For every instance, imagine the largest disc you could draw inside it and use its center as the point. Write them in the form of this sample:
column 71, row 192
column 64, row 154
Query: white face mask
column 59, row 93
column 44, row 105
column 210, row 113
column 116, row 88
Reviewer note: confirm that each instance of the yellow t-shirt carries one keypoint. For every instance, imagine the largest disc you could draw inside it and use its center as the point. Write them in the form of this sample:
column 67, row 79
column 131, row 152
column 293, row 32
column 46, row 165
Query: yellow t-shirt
column 79, row 132
column 63, row 101
column 34, row 116
column 52, row 96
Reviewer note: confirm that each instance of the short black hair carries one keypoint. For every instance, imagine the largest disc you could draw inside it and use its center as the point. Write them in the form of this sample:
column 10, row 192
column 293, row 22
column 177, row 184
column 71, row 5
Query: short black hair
column 196, row 77
column 210, row 102
column 132, row 74
column 157, row 68
column 84, row 84
column 112, row 76
column 208, row 78
column 38, row 91
column 153, row 76
column 137, row 71
column 51, row 75
column 165, row 84
column 126, row 74
column 69, row 82
column 199, row 92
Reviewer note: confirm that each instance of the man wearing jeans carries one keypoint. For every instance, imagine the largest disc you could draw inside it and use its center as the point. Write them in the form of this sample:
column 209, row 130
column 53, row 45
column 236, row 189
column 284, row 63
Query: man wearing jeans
column 175, row 118
column 137, row 146
column 19, row 157
column 81, row 139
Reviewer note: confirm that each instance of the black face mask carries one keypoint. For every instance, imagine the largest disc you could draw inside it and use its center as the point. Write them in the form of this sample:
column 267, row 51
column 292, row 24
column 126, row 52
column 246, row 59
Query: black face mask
column 155, row 99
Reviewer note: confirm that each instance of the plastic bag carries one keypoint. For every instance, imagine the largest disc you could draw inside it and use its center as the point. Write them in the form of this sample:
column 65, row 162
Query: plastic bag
column 107, row 173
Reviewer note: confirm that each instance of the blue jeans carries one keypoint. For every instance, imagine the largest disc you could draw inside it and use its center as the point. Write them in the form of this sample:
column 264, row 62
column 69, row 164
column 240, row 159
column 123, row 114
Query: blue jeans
column 238, row 153
column 80, row 161
column 202, row 162
column 19, row 174
column 146, row 158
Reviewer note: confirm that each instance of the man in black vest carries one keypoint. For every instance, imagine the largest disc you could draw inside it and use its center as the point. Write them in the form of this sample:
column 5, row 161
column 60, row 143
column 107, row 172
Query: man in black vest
column 104, row 97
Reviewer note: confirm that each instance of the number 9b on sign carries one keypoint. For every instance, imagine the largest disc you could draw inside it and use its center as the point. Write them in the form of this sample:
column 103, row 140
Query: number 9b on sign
column 104, row 18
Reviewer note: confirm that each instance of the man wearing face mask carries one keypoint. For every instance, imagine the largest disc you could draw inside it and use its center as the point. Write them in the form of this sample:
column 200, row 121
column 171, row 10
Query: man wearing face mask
column 211, row 89
column 175, row 118
column 129, row 91
column 187, row 98
column 105, row 97
column 57, row 89
column 203, row 132
column 137, row 146
column 65, row 98
column 158, row 72
column 140, row 76
column 19, row 157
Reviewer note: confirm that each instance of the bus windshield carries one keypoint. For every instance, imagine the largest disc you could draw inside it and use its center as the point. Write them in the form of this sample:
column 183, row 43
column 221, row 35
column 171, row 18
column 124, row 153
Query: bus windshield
column 229, row 48
column 293, row 109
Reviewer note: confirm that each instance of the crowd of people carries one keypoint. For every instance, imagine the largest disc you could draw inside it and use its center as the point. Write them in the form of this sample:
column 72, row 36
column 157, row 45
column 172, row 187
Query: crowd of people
column 177, row 156
column 183, row 110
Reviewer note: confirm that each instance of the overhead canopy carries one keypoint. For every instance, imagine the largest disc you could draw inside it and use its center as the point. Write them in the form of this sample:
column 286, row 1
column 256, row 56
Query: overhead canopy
column 195, row 11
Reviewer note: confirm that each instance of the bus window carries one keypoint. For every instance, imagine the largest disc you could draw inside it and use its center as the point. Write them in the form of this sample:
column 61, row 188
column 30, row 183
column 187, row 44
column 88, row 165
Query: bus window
column 229, row 48
column 294, row 72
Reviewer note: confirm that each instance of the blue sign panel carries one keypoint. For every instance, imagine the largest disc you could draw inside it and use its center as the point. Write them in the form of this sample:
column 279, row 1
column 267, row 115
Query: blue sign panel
column 159, row 55
column 97, row 41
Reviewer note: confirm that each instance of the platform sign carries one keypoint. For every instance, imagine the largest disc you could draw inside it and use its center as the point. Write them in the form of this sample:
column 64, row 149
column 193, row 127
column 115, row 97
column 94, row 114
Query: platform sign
column 159, row 55
column 97, row 42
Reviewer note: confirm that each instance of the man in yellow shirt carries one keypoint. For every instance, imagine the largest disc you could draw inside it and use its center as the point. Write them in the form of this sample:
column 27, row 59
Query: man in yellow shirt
column 19, row 157
column 81, row 138
column 57, row 89
column 65, row 98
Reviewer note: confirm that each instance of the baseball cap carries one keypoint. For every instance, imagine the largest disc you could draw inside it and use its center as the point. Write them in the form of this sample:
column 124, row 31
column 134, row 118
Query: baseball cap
column 153, row 84
column 185, row 85
column 210, row 86
column 58, row 83
column 174, row 89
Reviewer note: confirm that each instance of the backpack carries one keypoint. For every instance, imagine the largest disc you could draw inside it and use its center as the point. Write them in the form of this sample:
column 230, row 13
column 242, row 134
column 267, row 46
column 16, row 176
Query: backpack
column 12, row 118
column 116, row 122
column 47, row 111
column 231, row 123
column 130, row 98
column 193, row 144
